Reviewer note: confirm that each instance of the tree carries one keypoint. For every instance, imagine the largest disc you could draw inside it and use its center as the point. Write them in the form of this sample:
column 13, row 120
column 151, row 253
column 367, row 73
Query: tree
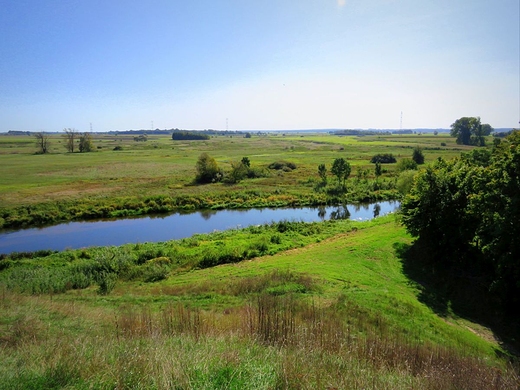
column 469, row 131
column 85, row 143
column 207, row 169
column 341, row 169
column 246, row 162
column 42, row 142
column 70, row 136
column 466, row 212
column 322, row 171
column 418, row 156
column 377, row 170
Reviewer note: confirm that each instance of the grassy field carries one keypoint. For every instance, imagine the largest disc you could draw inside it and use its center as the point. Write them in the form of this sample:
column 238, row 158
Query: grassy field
column 324, row 305
column 157, row 175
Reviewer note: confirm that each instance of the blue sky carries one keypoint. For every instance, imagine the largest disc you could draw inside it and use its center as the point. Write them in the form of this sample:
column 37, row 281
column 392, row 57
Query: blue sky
column 269, row 64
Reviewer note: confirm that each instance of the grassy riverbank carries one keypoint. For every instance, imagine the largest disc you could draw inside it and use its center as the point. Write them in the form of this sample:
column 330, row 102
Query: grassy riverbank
column 325, row 305
column 157, row 175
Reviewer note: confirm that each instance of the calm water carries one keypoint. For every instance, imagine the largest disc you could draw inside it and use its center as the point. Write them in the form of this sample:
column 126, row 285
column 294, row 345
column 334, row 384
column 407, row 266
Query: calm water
column 75, row 235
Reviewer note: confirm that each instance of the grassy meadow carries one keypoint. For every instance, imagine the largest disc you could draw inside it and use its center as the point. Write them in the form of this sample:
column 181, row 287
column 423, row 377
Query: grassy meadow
column 157, row 176
column 289, row 305
column 323, row 305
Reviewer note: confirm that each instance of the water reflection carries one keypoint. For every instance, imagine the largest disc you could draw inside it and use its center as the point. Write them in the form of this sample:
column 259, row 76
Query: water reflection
column 377, row 210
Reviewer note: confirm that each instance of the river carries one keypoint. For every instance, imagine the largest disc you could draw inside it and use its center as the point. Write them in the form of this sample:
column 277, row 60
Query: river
column 74, row 235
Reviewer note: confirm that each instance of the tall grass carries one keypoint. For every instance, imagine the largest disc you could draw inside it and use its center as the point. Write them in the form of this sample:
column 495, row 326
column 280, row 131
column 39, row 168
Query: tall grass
column 271, row 342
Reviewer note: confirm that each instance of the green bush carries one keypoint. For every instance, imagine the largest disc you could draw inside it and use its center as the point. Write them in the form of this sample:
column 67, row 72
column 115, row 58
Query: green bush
column 282, row 165
column 386, row 158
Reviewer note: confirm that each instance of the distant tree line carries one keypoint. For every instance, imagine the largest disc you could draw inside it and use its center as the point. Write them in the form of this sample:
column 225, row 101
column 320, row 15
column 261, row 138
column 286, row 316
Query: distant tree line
column 182, row 135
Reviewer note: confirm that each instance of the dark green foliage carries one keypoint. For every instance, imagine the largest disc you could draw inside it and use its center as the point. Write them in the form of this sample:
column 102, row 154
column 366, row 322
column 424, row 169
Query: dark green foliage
column 377, row 169
column 470, row 131
column 286, row 166
column 385, row 158
column 322, row 172
column 418, row 156
column 467, row 212
column 207, row 169
column 182, row 135
column 341, row 169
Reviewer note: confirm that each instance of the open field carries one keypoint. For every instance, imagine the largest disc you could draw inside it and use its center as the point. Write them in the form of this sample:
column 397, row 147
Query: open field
column 336, row 311
column 38, row 189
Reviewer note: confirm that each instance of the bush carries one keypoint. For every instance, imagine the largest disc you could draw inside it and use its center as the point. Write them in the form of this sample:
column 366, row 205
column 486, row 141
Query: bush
column 406, row 164
column 418, row 156
column 207, row 169
column 386, row 158
column 282, row 165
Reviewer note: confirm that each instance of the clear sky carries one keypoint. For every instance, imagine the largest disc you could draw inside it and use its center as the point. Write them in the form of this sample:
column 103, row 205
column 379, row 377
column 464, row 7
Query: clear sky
column 266, row 64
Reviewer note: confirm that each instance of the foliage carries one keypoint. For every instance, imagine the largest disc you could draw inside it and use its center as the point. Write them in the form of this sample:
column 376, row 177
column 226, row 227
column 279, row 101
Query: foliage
column 141, row 138
column 207, row 169
column 418, row 156
column 322, row 172
column 182, row 135
column 406, row 164
column 405, row 181
column 386, row 158
column 285, row 166
column 341, row 169
column 467, row 211
column 85, row 143
column 377, row 169
column 470, row 131
column 42, row 142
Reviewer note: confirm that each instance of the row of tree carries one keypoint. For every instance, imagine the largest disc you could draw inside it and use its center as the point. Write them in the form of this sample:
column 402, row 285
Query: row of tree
column 73, row 138
column 467, row 212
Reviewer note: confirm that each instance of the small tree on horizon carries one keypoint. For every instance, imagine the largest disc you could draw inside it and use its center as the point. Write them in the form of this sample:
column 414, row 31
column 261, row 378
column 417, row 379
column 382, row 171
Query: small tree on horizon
column 70, row 136
column 42, row 142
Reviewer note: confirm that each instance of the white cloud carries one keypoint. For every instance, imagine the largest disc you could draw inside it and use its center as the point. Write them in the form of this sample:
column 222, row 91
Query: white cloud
column 341, row 3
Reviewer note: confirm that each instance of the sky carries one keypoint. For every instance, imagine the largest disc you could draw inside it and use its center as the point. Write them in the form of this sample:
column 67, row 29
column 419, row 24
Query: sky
column 257, row 65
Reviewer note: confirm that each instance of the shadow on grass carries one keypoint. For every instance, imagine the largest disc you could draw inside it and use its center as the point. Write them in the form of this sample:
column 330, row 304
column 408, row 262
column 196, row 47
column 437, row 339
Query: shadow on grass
column 447, row 290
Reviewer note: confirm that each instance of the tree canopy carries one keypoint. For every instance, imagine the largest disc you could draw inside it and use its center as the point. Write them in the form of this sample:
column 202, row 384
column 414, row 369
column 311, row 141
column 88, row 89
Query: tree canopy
column 207, row 169
column 470, row 131
column 467, row 211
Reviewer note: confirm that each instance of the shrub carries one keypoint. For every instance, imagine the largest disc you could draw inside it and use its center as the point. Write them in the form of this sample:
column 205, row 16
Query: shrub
column 418, row 156
column 386, row 158
column 207, row 169
column 406, row 164
column 282, row 165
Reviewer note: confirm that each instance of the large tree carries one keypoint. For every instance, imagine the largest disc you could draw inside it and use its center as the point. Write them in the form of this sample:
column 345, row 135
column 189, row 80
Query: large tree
column 467, row 211
column 470, row 131
column 42, row 142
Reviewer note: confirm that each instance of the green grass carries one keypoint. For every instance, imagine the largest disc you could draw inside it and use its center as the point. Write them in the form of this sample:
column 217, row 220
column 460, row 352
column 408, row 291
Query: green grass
column 329, row 306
